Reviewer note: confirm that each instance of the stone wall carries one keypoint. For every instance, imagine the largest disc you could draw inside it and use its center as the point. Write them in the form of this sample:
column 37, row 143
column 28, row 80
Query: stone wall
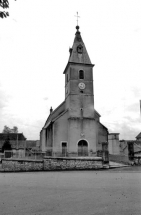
column 72, row 163
column 49, row 164
column 15, row 165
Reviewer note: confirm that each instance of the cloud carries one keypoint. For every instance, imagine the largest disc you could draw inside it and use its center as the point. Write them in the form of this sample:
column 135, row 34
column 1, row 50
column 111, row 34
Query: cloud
column 137, row 29
column 133, row 108
column 3, row 99
column 45, row 98
column 26, row 113
column 128, row 127
column 136, row 91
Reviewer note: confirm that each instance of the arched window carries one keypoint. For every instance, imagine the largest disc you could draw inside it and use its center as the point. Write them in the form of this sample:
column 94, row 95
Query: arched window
column 80, row 49
column 82, row 148
column 81, row 74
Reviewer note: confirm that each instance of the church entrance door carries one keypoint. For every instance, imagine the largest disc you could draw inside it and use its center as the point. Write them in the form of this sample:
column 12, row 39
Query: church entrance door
column 82, row 148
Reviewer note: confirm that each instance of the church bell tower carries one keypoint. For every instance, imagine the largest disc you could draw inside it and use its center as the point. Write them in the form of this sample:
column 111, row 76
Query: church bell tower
column 79, row 81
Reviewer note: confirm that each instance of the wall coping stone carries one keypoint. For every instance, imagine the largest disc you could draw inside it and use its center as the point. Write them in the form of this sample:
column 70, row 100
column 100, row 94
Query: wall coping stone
column 54, row 158
column 22, row 159
column 75, row 158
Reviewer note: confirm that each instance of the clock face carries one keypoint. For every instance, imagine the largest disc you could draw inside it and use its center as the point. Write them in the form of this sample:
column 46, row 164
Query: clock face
column 81, row 86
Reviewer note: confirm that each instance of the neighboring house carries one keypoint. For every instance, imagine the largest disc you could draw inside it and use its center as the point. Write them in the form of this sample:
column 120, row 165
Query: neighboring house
column 17, row 142
column 33, row 145
column 33, row 149
column 128, row 148
column 138, row 137
column 74, row 127
column 131, row 147
column 113, row 143
column 137, row 145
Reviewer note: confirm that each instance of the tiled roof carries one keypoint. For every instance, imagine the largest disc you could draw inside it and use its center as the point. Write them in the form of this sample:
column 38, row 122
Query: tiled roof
column 30, row 143
column 14, row 144
column 139, row 135
column 12, row 136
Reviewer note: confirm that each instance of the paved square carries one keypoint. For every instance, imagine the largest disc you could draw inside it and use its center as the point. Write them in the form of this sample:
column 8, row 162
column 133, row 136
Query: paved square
column 116, row 191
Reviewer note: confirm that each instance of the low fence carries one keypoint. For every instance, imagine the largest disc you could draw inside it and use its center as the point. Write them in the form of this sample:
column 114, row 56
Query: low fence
column 30, row 156
column 135, row 160
column 49, row 164
column 119, row 158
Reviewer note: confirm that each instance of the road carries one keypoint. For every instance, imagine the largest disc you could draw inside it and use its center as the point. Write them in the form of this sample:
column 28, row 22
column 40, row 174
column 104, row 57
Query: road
column 115, row 191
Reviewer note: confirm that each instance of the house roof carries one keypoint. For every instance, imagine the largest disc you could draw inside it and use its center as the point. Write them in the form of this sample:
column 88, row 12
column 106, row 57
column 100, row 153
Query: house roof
column 12, row 136
column 31, row 143
column 139, row 135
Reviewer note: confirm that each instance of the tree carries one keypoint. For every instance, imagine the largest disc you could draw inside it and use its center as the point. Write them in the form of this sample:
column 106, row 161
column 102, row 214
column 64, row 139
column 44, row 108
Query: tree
column 5, row 5
column 6, row 145
column 15, row 129
column 8, row 130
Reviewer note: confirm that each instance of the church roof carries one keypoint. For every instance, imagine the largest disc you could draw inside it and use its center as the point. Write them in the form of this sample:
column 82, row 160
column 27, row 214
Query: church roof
column 57, row 112
column 97, row 113
column 78, row 52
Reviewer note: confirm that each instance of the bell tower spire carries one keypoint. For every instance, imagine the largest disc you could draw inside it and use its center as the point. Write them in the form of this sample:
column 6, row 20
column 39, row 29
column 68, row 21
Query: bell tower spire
column 79, row 52
column 79, row 94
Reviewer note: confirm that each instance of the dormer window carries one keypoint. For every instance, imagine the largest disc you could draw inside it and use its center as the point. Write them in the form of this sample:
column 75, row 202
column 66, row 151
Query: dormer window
column 81, row 74
column 80, row 49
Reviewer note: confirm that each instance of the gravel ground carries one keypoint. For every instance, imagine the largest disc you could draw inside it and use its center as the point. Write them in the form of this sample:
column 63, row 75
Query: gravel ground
column 116, row 191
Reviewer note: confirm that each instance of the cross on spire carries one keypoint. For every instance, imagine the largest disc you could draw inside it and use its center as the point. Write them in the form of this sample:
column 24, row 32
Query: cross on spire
column 77, row 17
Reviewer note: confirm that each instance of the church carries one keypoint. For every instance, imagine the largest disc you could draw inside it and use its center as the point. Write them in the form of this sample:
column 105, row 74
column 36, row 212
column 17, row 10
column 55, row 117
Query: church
column 74, row 128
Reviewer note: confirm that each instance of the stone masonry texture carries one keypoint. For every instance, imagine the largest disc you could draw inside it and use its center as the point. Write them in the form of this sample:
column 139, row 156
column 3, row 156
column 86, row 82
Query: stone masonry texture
column 49, row 164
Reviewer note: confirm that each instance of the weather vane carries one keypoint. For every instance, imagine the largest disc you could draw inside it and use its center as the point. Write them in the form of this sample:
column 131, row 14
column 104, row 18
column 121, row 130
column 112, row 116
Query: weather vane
column 77, row 17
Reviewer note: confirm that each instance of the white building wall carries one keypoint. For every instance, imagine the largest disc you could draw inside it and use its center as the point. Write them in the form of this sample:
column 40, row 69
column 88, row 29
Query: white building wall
column 43, row 140
column 114, row 144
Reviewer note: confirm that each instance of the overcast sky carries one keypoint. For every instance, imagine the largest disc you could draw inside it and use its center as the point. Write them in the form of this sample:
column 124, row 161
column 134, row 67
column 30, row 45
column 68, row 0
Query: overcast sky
column 34, row 50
